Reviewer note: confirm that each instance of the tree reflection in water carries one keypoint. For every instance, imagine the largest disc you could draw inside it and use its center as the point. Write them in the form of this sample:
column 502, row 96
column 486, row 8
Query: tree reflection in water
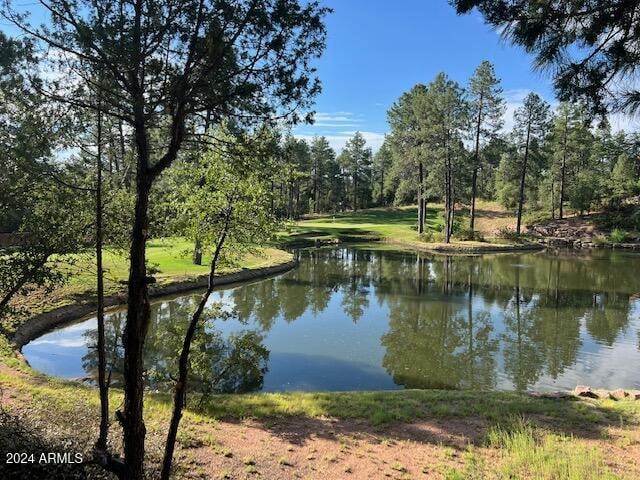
column 235, row 363
column 451, row 322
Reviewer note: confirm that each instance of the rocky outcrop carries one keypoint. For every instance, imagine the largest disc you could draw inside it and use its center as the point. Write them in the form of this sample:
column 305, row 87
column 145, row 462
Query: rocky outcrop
column 575, row 234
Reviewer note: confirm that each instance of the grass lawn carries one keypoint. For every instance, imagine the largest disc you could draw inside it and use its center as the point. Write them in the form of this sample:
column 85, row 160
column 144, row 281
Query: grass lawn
column 398, row 225
column 170, row 258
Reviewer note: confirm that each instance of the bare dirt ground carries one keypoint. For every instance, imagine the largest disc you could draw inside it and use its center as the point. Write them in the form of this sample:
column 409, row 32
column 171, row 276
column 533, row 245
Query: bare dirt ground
column 334, row 449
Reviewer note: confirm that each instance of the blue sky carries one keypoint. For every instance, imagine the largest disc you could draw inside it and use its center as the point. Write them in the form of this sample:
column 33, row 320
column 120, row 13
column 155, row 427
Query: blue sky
column 378, row 49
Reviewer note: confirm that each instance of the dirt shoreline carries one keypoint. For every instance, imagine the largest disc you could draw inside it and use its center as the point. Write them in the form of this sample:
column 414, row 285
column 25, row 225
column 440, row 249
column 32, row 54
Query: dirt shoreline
column 40, row 324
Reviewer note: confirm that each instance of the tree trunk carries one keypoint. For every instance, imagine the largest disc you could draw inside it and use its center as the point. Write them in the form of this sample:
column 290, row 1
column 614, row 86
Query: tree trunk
column 523, row 176
column 101, row 444
column 138, row 312
column 420, row 198
column 476, row 160
column 180, row 390
column 382, row 202
column 562, row 172
column 197, row 253
column 355, row 192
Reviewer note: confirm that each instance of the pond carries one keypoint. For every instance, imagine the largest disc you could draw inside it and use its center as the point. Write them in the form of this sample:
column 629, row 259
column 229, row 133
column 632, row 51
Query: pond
column 368, row 318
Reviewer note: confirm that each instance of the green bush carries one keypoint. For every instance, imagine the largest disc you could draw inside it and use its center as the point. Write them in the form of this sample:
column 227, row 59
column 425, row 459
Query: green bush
column 468, row 234
column 617, row 235
column 538, row 216
column 431, row 236
column 507, row 233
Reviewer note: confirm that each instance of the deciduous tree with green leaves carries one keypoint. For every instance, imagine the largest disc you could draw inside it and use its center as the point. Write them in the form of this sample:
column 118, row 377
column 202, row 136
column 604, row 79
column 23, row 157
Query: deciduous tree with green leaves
column 223, row 199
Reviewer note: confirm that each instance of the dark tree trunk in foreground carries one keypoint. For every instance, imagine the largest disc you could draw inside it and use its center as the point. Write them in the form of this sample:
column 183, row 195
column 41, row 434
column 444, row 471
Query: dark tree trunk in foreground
column 101, row 444
column 197, row 253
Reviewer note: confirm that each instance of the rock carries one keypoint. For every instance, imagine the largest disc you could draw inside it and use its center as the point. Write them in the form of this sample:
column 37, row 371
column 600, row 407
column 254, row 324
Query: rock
column 585, row 391
column 618, row 394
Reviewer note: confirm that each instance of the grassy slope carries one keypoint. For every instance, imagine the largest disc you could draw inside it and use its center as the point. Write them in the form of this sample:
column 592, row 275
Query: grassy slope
column 170, row 257
column 398, row 225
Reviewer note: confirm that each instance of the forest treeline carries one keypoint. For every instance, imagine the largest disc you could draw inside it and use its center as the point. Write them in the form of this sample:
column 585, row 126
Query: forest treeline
column 448, row 144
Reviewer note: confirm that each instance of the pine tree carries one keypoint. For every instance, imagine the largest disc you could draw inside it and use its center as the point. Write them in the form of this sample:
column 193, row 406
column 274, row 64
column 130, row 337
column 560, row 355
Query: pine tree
column 444, row 119
column 530, row 128
column 381, row 164
column 486, row 109
column 356, row 160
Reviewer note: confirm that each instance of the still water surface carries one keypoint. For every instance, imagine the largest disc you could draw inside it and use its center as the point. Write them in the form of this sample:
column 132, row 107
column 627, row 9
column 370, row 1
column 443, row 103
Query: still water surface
column 362, row 318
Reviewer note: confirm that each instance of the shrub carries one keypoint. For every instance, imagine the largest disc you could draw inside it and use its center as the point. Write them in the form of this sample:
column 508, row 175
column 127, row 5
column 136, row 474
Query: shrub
column 431, row 236
column 617, row 235
column 508, row 233
column 468, row 234
column 537, row 216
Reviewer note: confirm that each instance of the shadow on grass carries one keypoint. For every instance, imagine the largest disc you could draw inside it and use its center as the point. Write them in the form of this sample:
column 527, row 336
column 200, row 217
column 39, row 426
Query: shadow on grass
column 40, row 458
column 451, row 418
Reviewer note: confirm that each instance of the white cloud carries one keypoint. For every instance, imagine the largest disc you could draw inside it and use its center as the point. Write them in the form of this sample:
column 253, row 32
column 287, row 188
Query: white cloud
column 514, row 99
column 335, row 119
column 338, row 140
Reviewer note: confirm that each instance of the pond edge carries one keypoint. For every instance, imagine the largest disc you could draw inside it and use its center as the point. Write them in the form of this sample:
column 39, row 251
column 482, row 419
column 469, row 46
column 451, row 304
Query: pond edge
column 44, row 322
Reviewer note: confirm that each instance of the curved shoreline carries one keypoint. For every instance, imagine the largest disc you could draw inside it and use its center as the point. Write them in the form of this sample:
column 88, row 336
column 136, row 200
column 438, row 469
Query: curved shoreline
column 462, row 249
column 42, row 323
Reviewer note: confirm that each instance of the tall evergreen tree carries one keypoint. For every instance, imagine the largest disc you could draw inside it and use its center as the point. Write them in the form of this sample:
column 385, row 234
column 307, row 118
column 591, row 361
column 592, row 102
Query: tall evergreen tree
column 322, row 156
column 356, row 160
column 407, row 144
column 486, row 110
column 381, row 165
column 531, row 121
column 444, row 119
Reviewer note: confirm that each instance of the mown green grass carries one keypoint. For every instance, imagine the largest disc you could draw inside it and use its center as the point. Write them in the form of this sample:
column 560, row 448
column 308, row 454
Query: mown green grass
column 399, row 226
column 170, row 261
column 376, row 223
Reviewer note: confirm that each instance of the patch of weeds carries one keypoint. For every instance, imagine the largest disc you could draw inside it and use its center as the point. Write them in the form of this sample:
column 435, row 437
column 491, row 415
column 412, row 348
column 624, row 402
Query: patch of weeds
column 227, row 453
column 285, row 462
column 248, row 461
column 188, row 438
column 448, row 452
column 452, row 473
column 507, row 233
column 529, row 452
column 380, row 417
column 251, row 469
column 398, row 467
column 618, row 235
